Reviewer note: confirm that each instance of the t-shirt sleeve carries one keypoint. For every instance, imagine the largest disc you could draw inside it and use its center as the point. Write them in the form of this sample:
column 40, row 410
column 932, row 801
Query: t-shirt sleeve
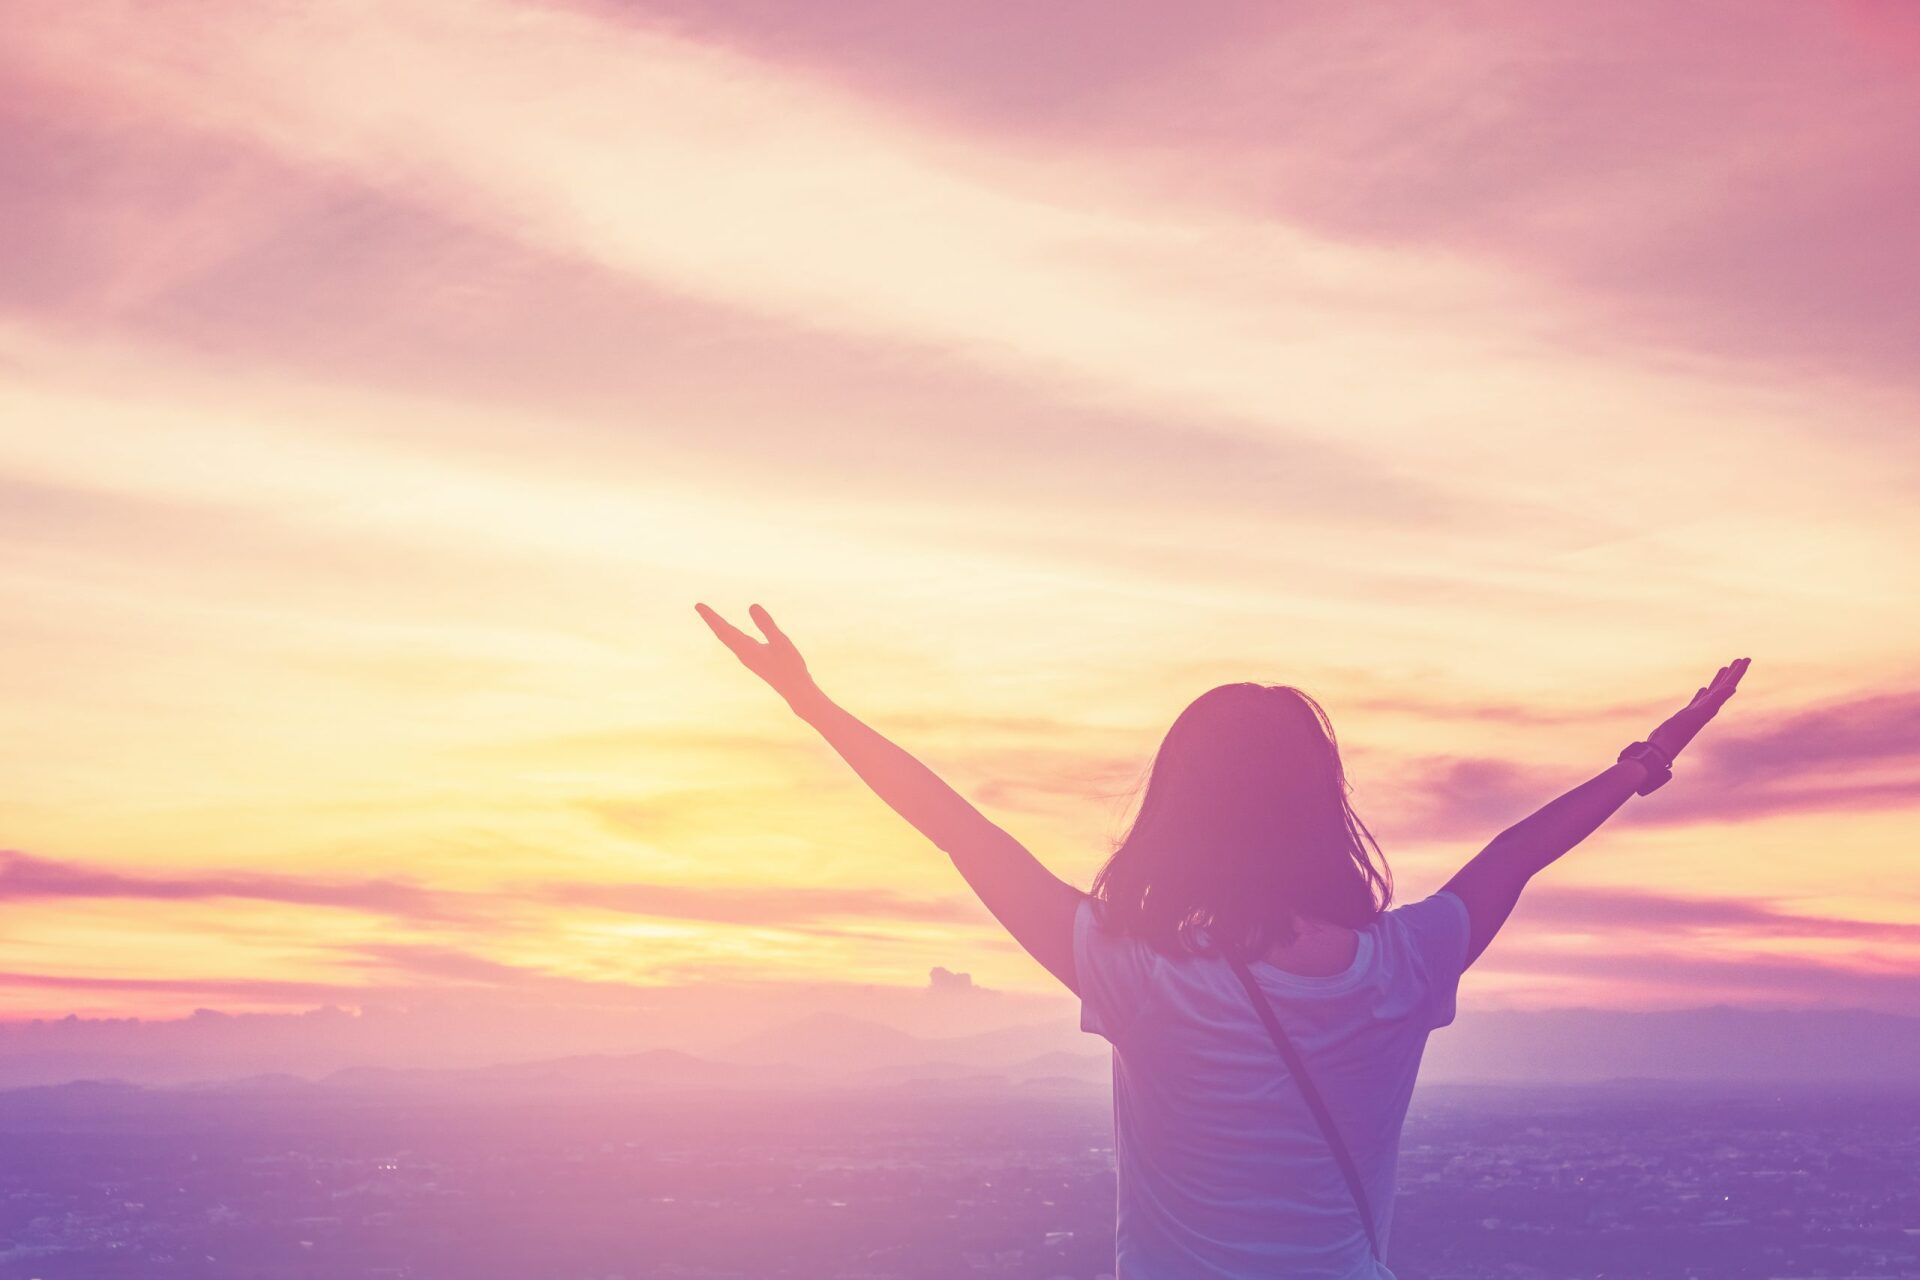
column 1114, row 973
column 1436, row 929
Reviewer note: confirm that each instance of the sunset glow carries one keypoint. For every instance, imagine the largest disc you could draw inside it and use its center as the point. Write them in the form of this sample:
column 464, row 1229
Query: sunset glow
column 382, row 383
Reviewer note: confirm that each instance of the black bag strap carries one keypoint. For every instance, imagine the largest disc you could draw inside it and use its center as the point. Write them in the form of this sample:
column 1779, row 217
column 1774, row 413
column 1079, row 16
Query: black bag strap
column 1263, row 1007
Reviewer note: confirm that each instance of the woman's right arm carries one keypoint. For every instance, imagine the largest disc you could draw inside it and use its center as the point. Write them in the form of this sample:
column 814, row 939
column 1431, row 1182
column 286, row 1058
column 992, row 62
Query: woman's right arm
column 1490, row 884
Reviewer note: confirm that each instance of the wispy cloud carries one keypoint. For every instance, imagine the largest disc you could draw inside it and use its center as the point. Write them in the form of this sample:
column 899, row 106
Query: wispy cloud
column 420, row 962
column 1638, row 911
column 27, row 878
column 250, row 991
column 1856, row 754
column 24, row 878
column 770, row 905
column 1861, row 732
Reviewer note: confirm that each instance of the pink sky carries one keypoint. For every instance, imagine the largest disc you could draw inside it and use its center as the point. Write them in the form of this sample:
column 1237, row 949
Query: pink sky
column 384, row 382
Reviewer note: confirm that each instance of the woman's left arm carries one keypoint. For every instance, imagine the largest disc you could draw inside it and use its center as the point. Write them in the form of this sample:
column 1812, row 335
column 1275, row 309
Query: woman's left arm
column 1035, row 905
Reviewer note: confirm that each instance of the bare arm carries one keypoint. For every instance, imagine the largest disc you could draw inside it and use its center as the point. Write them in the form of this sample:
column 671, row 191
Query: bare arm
column 1035, row 905
column 1491, row 882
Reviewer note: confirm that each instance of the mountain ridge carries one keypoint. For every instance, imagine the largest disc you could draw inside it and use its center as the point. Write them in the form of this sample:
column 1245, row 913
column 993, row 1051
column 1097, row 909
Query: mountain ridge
column 1727, row 1042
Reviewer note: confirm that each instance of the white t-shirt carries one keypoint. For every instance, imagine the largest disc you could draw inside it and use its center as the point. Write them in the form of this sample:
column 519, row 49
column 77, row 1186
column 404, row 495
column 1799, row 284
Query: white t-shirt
column 1223, row 1173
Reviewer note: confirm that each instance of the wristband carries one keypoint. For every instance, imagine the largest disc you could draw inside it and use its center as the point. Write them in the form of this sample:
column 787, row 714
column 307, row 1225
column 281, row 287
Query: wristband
column 1657, row 763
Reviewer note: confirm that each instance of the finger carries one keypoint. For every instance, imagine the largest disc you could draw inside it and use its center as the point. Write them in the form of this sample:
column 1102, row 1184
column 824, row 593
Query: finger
column 768, row 627
column 734, row 638
column 1725, row 684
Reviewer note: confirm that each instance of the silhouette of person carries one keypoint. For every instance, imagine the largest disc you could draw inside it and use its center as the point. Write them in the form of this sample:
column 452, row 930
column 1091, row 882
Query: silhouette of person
column 1245, row 858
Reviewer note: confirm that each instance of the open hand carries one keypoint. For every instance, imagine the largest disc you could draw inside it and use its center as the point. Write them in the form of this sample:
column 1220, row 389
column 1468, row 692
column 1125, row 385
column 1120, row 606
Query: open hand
column 1678, row 729
column 774, row 660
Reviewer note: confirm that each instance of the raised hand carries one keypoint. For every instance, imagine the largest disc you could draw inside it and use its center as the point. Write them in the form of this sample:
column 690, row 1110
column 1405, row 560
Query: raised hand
column 1677, row 730
column 774, row 660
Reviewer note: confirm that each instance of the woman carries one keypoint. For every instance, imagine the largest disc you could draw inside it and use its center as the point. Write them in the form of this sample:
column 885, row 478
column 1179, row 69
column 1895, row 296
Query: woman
column 1267, row 1010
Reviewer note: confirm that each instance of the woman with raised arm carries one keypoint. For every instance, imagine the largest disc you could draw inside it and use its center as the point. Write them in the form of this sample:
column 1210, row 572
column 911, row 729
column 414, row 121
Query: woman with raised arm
column 1267, row 1010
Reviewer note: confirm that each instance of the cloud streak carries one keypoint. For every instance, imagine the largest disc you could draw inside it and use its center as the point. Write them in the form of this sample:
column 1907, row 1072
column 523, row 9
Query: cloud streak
column 1857, row 754
column 551, row 150
column 252, row 991
column 1557, row 907
column 24, row 878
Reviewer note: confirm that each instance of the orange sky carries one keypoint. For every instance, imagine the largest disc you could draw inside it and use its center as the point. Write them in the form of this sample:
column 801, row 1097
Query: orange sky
column 384, row 382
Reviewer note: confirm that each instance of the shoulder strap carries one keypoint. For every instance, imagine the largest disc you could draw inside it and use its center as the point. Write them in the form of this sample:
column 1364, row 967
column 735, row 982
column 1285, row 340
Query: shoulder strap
column 1315, row 1104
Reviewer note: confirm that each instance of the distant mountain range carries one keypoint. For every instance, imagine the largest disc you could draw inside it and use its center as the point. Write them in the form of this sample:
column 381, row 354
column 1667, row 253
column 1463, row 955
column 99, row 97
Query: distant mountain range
column 1716, row 1043
column 830, row 1050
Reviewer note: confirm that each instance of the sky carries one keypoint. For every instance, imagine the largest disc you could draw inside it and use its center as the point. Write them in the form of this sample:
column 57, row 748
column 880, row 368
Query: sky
column 382, row 383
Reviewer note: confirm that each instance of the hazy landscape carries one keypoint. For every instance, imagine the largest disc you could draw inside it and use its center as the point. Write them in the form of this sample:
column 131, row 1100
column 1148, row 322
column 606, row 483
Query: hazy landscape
column 1703, row 1143
column 661, row 1166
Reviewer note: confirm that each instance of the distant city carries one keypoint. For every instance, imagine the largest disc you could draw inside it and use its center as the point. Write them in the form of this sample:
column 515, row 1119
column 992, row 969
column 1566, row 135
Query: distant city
column 586, row 1170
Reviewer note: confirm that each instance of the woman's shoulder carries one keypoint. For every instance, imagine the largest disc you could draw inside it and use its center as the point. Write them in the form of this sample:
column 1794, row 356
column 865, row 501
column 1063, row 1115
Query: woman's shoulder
column 1432, row 930
column 1441, row 909
column 1115, row 971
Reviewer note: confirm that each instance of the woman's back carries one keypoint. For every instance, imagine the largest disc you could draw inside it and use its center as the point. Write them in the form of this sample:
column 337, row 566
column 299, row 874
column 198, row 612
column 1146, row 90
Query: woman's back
column 1223, row 1171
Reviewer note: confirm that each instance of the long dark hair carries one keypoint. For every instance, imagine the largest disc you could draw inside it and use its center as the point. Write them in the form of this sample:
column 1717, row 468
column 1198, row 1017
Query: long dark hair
column 1245, row 827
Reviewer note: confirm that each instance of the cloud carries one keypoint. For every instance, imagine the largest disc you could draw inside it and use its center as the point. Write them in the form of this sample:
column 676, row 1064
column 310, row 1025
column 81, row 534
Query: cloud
column 1868, row 730
column 249, row 991
column 1858, row 753
column 1447, row 797
column 27, row 878
column 886, row 227
column 1620, row 151
column 369, row 281
column 439, row 965
column 1037, row 780
column 942, row 981
column 1623, row 151
column 769, row 905
column 1642, row 911
column 394, row 974
column 1480, row 710
column 361, row 285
